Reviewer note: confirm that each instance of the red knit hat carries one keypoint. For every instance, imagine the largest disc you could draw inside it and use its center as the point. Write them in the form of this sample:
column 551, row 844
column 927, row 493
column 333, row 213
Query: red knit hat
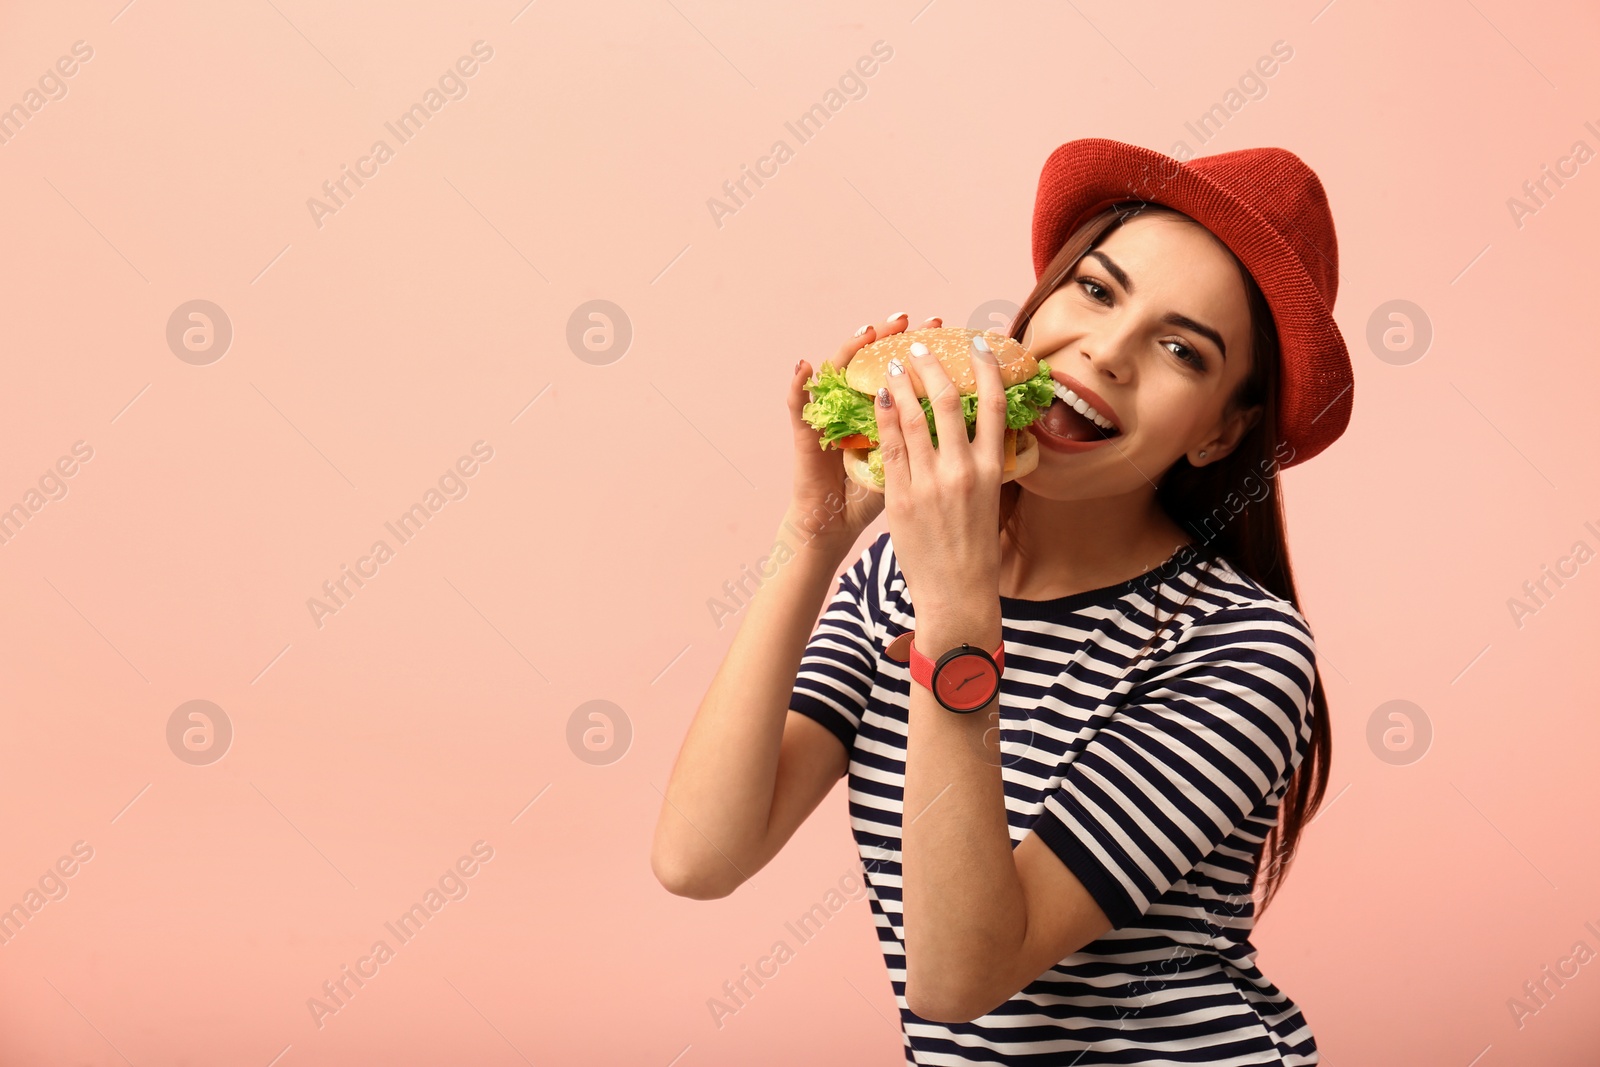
column 1269, row 208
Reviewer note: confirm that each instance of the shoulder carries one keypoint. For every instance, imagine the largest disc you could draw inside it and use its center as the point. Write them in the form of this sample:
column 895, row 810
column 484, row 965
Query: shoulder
column 1235, row 619
column 1232, row 600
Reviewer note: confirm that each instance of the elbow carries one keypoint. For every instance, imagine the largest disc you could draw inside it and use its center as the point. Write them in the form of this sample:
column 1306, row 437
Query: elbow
column 683, row 879
column 688, row 865
column 944, row 1002
column 686, row 884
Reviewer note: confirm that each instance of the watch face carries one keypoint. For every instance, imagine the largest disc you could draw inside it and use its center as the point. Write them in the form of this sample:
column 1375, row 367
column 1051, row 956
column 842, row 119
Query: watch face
column 966, row 681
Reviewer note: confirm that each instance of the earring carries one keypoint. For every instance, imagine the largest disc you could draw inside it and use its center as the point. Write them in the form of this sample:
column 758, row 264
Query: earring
column 1202, row 453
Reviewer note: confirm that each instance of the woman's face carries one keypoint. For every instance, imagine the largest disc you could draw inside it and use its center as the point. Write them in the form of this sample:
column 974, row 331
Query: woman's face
column 1154, row 322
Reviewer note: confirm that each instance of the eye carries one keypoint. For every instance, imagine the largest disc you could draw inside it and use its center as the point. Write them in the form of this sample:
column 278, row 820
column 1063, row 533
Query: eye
column 1088, row 281
column 1194, row 359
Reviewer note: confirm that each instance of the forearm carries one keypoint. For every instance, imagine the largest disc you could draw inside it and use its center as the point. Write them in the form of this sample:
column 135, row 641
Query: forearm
column 963, row 899
column 718, row 800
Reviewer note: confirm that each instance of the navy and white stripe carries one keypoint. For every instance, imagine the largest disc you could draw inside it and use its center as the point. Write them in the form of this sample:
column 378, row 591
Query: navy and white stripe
column 1153, row 773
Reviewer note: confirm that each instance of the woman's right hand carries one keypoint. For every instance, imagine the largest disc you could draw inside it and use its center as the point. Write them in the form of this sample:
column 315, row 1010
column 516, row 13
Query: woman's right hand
column 820, row 484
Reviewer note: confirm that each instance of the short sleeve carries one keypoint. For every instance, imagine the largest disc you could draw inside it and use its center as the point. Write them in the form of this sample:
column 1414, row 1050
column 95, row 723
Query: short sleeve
column 1202, row 744
column 841, row 659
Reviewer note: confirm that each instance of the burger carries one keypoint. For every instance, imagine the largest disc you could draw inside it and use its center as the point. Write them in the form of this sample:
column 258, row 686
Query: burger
column 841, row 405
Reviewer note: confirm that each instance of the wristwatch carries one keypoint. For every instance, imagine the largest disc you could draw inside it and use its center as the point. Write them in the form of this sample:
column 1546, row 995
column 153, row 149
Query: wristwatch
column 963, row 679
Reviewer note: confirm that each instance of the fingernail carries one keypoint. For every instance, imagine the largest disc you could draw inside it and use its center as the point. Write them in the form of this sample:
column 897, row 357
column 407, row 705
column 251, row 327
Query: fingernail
column 981, row 350
column 895, row 367
column 864, row 329
column 798, row 364
column 932, row 319
column 897, row 315
column 918, row 348
column 884, row 399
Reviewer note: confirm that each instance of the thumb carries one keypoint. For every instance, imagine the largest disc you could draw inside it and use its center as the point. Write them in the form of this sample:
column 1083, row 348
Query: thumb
column 799, row 396
column 797, row 384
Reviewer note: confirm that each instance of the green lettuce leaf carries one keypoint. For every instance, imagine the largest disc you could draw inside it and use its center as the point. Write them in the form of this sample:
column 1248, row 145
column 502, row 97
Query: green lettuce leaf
column 837, row 411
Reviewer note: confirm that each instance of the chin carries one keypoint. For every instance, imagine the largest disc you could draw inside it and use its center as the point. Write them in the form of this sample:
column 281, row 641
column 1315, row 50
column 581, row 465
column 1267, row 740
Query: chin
column 1053, row 483
column 1085, row 476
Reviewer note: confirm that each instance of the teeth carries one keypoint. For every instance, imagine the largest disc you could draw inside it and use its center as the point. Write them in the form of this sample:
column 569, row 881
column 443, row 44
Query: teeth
column 1081, row 406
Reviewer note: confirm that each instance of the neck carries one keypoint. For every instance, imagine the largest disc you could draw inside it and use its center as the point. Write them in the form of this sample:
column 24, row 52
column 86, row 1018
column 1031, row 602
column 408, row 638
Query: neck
column 1071, row 546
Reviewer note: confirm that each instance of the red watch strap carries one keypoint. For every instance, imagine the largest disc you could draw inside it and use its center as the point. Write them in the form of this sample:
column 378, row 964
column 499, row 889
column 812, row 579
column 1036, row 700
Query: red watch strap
column 901, row 650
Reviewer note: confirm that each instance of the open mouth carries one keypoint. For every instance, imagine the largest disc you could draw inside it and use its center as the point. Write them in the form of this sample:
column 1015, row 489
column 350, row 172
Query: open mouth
column 1071, row 417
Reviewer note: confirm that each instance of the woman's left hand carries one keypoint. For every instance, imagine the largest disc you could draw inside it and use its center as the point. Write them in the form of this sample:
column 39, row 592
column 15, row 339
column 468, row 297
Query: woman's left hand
column 943, row 504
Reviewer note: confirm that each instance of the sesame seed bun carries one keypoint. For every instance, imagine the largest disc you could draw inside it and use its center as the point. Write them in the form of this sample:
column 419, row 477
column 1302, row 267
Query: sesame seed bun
column 868, row 369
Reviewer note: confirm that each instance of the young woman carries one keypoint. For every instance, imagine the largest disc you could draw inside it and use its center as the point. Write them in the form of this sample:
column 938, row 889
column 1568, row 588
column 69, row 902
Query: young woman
column 1066, row 875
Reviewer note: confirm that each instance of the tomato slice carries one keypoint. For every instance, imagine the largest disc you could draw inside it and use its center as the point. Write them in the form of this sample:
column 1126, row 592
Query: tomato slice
column 856, row 440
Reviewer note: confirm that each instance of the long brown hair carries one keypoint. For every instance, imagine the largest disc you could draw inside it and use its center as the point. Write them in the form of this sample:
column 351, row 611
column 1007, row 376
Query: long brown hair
column 1233, row 508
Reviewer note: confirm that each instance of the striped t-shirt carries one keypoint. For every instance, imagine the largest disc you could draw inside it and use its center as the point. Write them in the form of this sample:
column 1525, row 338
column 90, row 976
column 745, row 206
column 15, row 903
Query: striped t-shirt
column 1153, row 773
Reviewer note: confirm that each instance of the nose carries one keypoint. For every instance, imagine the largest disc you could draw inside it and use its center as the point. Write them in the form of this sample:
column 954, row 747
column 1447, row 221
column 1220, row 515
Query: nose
column 1108, row 353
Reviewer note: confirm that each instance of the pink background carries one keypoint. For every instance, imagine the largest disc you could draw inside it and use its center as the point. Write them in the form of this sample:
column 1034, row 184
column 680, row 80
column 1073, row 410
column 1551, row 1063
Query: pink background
column 430, row 312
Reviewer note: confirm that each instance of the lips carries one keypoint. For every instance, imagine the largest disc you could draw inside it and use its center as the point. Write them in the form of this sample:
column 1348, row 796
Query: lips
column 1089, row 396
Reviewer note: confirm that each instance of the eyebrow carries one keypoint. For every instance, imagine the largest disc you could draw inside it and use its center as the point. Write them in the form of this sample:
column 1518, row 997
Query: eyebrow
column 1171, row 318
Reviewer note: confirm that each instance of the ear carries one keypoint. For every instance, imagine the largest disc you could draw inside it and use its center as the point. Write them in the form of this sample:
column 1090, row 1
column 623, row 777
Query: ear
column 1227, row 438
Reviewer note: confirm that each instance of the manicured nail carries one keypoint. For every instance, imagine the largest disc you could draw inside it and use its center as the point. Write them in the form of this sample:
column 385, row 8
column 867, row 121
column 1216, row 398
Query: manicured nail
column 918, row 348
column 897, row 315
column 981, row 350
column 895, row 367
column 798, row 364
column 864, row 329
column 932, row 320
column 884, row 399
